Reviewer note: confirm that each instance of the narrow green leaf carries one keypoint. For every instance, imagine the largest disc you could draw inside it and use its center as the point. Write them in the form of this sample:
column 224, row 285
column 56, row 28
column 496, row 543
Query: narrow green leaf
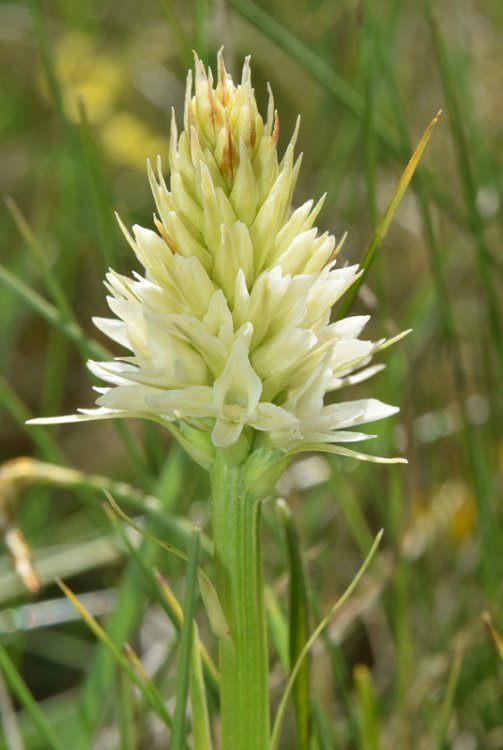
column 201, row 21
column 343, row 92
column 125, row 714
column 344, row 491
column 168, row 547
column 31, row 471
column 211, row 672
column 21, row 414
column 99, row 195
column 278, row 721
column 146, row 570
column 208, row 593
column 162, row 594
column 303, row 54
column 186, row 643
column 213, row 606
column 146, row 686
column 496, row 636
column 53, row 286
column 79, row 147
column 129, row 610
column 180, row 37
column 52, row 315
column 383, row 225
column 278, row 627
column 448, row 702
column 18, row 687
column 298, row 626
column 457, row 122
column 54, row 373
column 10, row 719
column 198, row 703
column 369, row 75
column 321, row 732
column 369, row 733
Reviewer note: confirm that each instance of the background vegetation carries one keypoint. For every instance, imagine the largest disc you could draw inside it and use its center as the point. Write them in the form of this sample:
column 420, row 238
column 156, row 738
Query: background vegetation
column 86, row 96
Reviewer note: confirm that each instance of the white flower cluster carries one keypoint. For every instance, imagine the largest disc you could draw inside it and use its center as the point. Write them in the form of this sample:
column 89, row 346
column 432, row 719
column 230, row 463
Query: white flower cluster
column 230, row 326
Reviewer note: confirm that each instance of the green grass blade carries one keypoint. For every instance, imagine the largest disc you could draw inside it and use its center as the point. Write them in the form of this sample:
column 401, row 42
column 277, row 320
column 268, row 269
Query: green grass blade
column 147, row 535
column 456, row 119
column 179, row 34
column 278, row 721
column 448, row 702
column 54, row 375
column 201, row 28
column 208, row 592
column 30, row 471
column 345, row 495
column 211, row 672
column 162, row 594
column 125, row 714
column 494, row 633
column 50, row 279
column 479, row 472
column 300, row 52
column 79, row 147
column 321, row 732
column 69, row 328
column 9, row 719
column 147, row 572
column 343, row 92
column 278, row 626
column 128, row 612
column 437, row 259
column 387, row 217
column 104, row 216
column 126, row 664
column 21, row 414
column 186, row 642
column 198, row 703
column 18, row 687
column 73, row 332
column 368, row 73
column 298, row 626
column 369, row 733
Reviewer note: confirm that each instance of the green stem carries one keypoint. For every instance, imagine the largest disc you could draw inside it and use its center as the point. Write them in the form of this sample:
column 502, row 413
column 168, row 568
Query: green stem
column 243, row 654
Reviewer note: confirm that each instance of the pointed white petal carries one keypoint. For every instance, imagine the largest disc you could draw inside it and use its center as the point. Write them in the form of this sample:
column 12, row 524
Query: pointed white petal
column 195, row 401
column 239, row 386
column 271, row 417
column 114, row 329
column 350, row 413
column 110, row 372
column 127, row 398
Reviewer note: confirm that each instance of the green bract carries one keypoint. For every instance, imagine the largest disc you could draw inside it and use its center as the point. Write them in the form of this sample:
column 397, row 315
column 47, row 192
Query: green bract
column 230, row 328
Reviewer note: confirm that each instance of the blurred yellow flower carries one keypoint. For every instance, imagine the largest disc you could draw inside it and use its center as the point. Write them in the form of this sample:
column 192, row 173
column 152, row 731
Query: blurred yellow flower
column 83, row 71
column 98, row 79
column 128, row 141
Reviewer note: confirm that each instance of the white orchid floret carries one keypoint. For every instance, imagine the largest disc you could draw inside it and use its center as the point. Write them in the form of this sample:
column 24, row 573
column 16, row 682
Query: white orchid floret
column 229, row 326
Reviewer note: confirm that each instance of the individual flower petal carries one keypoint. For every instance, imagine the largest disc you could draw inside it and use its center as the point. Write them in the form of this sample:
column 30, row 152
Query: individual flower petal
column 226, row 433
column 237, row 390
column 195, row 401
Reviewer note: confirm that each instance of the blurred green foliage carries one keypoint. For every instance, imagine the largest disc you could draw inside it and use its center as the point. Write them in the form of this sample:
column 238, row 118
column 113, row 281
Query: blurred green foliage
column 87, row 91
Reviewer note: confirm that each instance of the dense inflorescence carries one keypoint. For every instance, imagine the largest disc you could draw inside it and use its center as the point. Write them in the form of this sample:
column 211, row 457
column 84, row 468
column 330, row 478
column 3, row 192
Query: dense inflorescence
column 229, row 327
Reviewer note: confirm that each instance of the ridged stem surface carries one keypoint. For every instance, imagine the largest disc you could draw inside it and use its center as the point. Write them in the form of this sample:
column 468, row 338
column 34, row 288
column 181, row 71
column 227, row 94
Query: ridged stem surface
column 243, row 655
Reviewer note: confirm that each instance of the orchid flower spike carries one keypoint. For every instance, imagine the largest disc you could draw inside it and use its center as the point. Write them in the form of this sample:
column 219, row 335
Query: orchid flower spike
column 229, row 328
